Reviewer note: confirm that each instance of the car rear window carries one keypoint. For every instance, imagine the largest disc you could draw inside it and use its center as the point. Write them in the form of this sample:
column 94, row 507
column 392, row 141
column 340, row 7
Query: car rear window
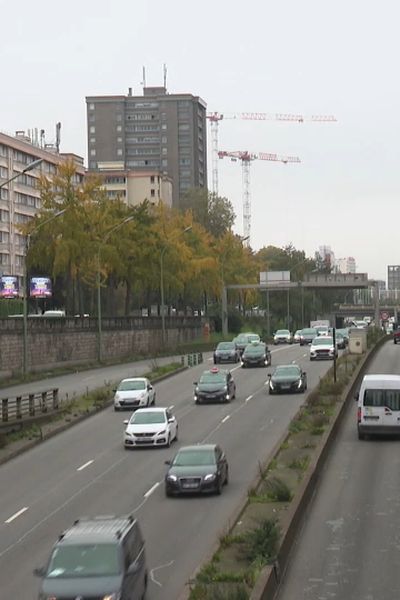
column 226, row 346
column 381, row 398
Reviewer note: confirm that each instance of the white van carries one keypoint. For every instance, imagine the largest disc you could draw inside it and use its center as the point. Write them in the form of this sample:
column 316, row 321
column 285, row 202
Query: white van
column 378, row 406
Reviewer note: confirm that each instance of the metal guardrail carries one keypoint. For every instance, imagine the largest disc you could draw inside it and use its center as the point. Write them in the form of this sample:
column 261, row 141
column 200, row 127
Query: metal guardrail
column 28, row 406
column 192, row 359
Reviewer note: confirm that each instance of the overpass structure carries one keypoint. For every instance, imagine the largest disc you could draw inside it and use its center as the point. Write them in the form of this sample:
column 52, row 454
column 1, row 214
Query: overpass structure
column 312, row 281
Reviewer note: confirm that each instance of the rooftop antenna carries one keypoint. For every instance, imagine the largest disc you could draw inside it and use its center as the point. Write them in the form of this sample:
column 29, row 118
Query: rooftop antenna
column 165, row 76
column 58, row 136
column 143, row 82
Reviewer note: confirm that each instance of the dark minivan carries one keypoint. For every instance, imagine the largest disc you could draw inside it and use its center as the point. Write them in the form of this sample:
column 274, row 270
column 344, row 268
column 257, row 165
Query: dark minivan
column 102, row 557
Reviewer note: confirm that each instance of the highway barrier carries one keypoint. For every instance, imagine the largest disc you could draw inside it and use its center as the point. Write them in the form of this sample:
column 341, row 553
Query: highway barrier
column 192, row 359
column 28, row 406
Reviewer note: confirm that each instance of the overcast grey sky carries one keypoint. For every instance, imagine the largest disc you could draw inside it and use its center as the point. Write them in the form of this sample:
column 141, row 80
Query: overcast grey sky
column 309, row 57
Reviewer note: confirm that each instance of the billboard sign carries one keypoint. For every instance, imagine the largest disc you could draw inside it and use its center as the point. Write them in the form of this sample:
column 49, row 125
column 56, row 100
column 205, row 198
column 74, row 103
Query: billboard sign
column 40, row 287
column 274, row 277
column 9, row 287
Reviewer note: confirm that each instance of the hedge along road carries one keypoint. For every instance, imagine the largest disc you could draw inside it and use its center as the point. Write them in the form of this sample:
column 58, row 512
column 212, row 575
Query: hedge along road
column 86, row 471
column 349, row 546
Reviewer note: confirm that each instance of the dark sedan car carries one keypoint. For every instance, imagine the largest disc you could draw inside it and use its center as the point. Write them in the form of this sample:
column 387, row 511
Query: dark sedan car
column 286, row 379
column 226, row 352
column 307, row 335
column 256, row 354
column 243, row 339
column 215, row 385
column 197, row 469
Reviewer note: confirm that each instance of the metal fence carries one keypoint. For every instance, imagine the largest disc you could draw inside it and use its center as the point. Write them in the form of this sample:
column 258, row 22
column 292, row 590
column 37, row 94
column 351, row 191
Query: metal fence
column 28, row 406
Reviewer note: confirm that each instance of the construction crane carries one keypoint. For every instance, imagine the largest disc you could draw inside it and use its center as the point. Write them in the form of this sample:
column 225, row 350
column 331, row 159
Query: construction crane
column 216, row 117
column 246, row 158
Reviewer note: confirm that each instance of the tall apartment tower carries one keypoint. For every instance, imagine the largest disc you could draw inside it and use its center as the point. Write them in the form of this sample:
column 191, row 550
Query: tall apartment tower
column 393, row 277
column 156, row 132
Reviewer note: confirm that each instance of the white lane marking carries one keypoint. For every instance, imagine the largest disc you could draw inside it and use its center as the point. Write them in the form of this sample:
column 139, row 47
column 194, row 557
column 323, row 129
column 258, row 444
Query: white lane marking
column 235, row 368
column 209, row 359
column 304, row 355
column 89, row 462
column 17, row 514
column 293, row 362
column 151, row 490
column 250, row 397
column 154, row 580
column 62, row 506
column 225, row 419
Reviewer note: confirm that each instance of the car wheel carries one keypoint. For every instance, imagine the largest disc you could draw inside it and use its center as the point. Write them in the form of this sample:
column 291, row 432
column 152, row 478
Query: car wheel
column 219, row 487
column 176, row 435
column 270, row 392
column 215, row 361
column 395, row 341
column 117, row 408
column 167, row 492
column 243, row 366
column 361, row 436
column 226, row 476
column 168, row 441
column 153, row 403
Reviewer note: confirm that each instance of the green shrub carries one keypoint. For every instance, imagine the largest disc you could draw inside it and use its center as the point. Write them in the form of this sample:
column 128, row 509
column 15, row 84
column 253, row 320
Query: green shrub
column 278, row 490
column 300, row 464
column 262, row 543
column 219, row 592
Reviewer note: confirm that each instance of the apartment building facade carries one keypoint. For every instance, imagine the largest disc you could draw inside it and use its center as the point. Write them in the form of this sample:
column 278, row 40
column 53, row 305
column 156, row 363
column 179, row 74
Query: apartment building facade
column 20, row 199
column 393, row 277
column 161, row 133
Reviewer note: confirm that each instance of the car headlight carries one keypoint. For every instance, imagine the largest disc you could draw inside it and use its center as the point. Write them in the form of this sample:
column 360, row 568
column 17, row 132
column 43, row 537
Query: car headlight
column 172, row 478
column 225, row 388
column 209, row 477
column 114, row 596
column 164, row 431
column 128, row 434
column 117, row 396
column 271, row 385
column 299, row 383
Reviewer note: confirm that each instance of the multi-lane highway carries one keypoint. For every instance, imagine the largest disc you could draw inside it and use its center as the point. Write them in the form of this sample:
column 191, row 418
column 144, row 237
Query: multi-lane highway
column 86, row 471
column 349, row 547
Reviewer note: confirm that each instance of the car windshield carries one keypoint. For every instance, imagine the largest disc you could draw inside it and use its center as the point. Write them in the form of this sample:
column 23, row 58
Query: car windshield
column 145, row 418
column 309, row 332
column 194, row 458
column 84, row 560
column 131, row 385
column 287, row 371
column 241, row 339
column 323, row 341
column 226, row 346
column 212, row 378
column 282, row 332
column 253, row 337
column 254, row 349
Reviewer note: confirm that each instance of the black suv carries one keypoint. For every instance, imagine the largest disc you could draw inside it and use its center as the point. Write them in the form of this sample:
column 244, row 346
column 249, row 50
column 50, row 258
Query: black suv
column 256, row 354
column 103, row 557
column 216, row 385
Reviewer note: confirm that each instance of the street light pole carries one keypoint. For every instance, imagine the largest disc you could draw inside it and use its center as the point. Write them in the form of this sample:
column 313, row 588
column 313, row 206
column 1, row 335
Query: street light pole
column 28, row 167
column 26, row 288
column 98, row 282
column 162, row 252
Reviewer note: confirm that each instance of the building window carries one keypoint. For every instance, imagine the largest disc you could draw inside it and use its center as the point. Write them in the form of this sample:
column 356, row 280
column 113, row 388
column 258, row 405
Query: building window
column 93, row 164
column 164, row 126
column 152, row 179
column 184, row 161
column 3, row 194
column 164, row 151
column 119, row 117
column 4, row 216
column 3, row 150
column 4, row 259
column 164, row 162
column 91, row 119
column 119, row 152
column 119, row 140
column 5, row 237
column 92, row 140
column 119, row 127
column 163, row 116
column 3, row 172
column 152, row 193
column 164, row 139
column 91, row 106
column 93, row 152
column 92, row 129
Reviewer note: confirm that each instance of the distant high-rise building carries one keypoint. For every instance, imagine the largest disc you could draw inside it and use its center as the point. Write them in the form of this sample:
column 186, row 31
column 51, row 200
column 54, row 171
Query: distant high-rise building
column 161, row 133
column 326, row 256
column 393, row 277
column 346, row 265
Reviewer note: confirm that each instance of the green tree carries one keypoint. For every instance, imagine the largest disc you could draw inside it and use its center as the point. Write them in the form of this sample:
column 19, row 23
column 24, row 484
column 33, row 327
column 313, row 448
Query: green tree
column 213, row 212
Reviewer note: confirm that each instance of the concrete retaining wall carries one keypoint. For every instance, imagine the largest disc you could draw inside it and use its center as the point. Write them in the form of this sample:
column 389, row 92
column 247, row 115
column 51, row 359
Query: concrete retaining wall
column 60, row 342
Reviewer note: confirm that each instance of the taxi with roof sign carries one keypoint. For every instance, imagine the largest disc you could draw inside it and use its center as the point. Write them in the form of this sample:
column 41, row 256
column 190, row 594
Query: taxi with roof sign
column 215, row 385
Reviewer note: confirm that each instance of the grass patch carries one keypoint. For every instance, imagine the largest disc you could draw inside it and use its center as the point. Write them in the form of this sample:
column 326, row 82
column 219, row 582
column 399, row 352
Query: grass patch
column 278, row 490
column 219, row 592
column 262, row 543
column 297, row 425
column 229, row 539
column 300, row 464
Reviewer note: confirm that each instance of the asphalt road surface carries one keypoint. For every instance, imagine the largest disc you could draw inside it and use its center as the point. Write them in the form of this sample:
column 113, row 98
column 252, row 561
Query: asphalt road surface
column 86, row 471
column 349, row 547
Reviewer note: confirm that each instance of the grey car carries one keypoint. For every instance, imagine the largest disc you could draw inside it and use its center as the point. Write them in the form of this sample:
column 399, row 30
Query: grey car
column 226, row 352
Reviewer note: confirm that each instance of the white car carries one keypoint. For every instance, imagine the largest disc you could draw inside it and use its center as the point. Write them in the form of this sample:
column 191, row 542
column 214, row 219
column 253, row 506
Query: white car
column 283, row 336
column 135, row 392
column 151, row 427
column 322, row 347
column 297, row 336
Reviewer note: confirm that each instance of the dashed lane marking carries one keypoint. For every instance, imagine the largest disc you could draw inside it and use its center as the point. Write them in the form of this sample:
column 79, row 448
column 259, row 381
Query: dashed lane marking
column 151, row 490
column 225, row 419
column 16, row 515
column 87, row 464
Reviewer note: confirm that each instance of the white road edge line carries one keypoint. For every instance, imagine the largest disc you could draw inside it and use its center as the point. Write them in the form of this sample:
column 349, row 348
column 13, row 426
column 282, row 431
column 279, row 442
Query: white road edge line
column 154, row 580
column 16, row 515
column 249, row 398
column 225, row 419
column 151, row 490
column 89, row 462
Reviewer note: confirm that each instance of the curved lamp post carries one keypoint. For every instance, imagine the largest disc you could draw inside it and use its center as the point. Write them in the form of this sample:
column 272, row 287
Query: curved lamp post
column 106, row 237
column 163, row 250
